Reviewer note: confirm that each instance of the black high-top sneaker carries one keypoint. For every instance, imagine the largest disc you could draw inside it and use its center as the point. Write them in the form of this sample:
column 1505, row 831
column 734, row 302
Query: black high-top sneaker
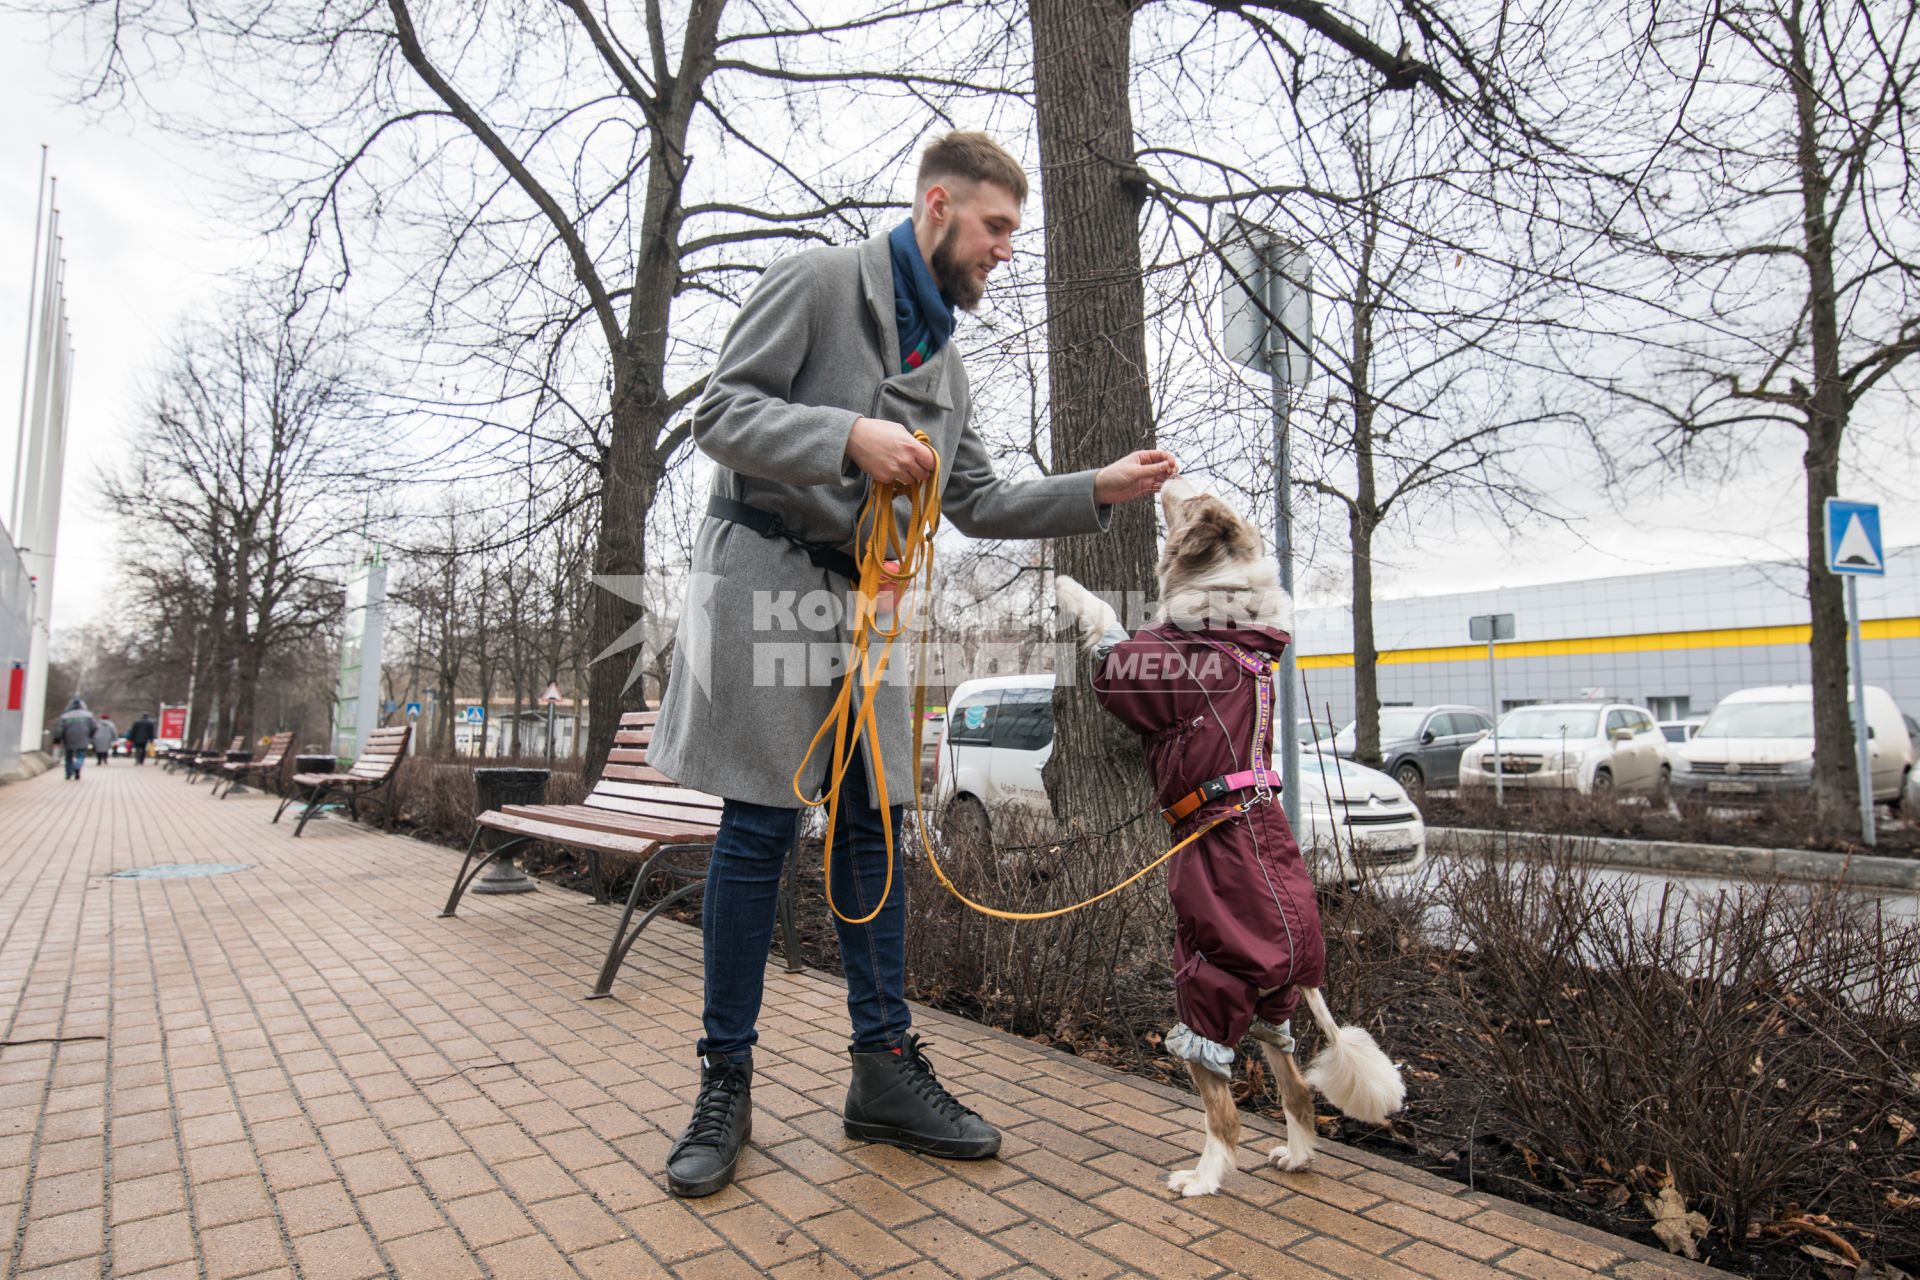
column 896, row 1099
column 704, row 1155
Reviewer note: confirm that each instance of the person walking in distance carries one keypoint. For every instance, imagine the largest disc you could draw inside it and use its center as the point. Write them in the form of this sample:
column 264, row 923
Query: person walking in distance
column 105, row 734
column 74, row 732
column 140, row 737
column 838, row 359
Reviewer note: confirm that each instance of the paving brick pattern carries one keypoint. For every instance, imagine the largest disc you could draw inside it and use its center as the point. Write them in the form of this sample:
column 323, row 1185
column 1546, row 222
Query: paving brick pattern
column 299, row 1070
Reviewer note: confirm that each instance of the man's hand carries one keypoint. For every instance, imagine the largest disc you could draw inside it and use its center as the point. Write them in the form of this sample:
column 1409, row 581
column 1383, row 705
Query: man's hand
column 1134, row 476
column 888, row 452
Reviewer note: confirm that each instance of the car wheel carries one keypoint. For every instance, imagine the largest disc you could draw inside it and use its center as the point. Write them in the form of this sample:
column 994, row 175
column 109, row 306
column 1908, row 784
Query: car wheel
column 1895, row 805
column 1602, row 780
column 1408, row 776
column 965, row 822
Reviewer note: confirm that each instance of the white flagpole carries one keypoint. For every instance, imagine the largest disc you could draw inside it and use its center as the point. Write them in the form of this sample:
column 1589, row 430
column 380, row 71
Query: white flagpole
column 26, row 356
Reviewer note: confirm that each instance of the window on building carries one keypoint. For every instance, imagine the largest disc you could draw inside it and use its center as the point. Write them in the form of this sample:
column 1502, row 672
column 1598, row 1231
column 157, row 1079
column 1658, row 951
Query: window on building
column 1675, row 707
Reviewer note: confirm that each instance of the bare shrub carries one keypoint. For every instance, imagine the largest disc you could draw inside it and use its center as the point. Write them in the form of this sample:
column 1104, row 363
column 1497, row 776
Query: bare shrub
column 1751, row 1041
column 439, row 799
column 1779, row 821
column 1107, row 967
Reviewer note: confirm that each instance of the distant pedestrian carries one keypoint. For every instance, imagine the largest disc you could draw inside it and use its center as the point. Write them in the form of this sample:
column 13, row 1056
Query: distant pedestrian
column 140, row 737
column 105, row 734
column 74, row 732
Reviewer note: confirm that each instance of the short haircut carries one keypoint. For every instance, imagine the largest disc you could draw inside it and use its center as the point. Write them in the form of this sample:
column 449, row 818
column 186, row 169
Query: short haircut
column 971, row 156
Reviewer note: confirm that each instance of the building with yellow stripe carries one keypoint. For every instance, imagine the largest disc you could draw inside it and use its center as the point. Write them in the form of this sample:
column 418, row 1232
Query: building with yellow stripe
column 1676, row 641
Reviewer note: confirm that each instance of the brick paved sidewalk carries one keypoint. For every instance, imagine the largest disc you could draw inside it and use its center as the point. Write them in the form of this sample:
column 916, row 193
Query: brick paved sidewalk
column 299, row 1070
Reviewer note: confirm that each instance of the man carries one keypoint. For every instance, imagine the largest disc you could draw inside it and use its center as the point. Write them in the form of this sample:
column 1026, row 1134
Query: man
column 836, row 360
column 74, row 732
column 140, row 737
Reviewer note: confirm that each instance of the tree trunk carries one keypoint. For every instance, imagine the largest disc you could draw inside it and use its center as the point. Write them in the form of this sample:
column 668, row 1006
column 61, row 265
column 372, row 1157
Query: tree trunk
column 627, row 491
column 1836, row 777
column 1096, row 360
column 1364, row 516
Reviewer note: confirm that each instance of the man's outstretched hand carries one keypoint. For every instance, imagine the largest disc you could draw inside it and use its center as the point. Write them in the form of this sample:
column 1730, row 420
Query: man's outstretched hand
column 1134, row 476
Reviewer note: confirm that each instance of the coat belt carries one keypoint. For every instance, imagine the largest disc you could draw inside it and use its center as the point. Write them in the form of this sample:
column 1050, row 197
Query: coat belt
column 768, row 525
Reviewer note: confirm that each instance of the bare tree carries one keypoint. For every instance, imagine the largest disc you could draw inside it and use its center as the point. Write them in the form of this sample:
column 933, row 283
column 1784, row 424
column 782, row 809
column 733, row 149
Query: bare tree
column 561, row 233
column 250, row 444
column 1780, row 214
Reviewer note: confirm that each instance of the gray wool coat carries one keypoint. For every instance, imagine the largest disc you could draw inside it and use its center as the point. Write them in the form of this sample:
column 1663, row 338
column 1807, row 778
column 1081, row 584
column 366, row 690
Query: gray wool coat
column 760, row 638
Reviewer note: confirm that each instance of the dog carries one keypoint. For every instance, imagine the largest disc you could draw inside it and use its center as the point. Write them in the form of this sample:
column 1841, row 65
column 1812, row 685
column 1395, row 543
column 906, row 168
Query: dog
column 1197, row 685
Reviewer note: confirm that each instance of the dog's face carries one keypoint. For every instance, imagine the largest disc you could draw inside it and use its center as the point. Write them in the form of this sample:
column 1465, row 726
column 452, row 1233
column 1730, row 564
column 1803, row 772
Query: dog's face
column 1214, row 563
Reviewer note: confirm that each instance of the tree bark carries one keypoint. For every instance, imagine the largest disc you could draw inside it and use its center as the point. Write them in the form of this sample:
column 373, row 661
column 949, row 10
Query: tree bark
column 1836, row 776
column 1363, row 515
column 1097, row 357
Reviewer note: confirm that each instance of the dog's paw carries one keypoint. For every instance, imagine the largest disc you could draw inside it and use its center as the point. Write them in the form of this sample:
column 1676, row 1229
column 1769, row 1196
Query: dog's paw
column 1070, row 599
column 1282, row 1157
column 1193, row 1182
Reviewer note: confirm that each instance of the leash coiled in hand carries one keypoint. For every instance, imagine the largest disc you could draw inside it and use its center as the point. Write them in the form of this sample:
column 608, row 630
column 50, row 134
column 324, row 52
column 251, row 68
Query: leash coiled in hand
column 889, row 556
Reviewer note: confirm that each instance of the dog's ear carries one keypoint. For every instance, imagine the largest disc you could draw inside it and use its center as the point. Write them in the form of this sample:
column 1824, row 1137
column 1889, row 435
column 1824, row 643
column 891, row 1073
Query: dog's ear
column 1173, row 495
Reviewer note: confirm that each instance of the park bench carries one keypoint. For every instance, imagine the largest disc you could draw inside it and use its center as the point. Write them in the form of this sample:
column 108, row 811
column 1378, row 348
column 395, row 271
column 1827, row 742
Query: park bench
column 235, row 771
column 634, row 813
column 204, row 764
column 374, row 770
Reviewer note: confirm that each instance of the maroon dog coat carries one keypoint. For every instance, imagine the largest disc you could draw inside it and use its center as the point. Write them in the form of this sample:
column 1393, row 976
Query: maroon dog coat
column 1244, row 901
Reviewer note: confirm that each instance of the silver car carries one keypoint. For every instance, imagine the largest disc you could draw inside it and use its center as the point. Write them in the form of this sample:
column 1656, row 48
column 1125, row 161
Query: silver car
column 1421, row 746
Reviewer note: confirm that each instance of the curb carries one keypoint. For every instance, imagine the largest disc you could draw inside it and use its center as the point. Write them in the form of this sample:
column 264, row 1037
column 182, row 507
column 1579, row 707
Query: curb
column 1859, row 870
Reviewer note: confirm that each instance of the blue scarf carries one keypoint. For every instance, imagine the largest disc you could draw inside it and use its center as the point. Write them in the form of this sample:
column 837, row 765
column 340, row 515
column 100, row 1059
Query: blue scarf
column 920, row 310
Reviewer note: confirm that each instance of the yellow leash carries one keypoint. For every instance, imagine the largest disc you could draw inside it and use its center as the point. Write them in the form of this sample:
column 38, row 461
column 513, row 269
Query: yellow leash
column 889, row 556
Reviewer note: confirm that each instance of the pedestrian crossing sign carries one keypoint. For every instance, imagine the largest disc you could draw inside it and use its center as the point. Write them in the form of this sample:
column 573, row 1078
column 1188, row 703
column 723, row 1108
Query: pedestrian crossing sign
column 1853, row 538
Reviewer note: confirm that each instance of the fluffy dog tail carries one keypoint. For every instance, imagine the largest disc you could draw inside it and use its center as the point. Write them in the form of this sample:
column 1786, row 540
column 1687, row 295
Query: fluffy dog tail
column 1352, row 1072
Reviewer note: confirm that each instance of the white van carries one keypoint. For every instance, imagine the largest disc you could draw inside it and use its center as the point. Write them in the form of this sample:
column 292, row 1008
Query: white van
column 999, row 733
column 1760, row 742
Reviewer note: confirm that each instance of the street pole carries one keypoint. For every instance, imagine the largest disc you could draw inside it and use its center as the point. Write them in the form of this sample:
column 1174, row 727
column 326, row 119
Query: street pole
column 1860, row 729
column 1493, row 697
column 1283, row 552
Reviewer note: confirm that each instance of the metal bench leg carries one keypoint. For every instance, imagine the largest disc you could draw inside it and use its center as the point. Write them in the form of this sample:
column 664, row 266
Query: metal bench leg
column 790, row 938
column 470, row 869
column 600, row 894
column 293, row 795
column 319, row 794
column 623, row 940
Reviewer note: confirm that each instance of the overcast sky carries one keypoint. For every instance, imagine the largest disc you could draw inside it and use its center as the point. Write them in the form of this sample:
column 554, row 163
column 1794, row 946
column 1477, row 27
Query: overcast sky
column 145, row 250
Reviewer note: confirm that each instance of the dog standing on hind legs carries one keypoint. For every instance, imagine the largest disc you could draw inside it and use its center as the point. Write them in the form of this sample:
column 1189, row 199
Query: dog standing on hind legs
column 1198, row 686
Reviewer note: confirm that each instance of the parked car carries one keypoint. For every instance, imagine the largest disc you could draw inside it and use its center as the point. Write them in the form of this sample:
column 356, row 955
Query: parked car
column 1759, row 742
column 1422, row 746
column 1573, row 746
column 999, row 733
column 1680, row 730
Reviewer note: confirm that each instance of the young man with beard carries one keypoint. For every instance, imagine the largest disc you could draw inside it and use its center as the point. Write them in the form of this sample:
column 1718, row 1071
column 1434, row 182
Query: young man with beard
column 837, row 359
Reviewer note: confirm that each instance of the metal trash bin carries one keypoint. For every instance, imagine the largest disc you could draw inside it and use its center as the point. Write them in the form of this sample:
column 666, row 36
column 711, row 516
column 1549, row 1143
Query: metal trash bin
column 315, row 764
column 492, row 789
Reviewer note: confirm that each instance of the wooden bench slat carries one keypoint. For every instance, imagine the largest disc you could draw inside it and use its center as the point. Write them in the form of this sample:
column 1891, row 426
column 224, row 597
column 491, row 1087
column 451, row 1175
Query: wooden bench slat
column 578, row 817
column 636, row 773
column 709, row 818
column 646, row 791
column 578, row 837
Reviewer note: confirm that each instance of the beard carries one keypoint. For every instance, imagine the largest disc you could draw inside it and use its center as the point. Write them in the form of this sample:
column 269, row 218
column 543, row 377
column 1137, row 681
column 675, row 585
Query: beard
column 955, row 278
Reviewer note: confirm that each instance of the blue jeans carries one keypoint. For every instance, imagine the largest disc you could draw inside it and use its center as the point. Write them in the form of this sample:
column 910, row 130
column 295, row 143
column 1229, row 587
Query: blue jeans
column 743, row 899
column 76, row 756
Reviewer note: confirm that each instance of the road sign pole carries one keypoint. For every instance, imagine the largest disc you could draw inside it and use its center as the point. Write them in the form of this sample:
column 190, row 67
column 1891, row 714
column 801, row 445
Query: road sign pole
column 1493, row 698
column 1860, row 729
column 1283, row 551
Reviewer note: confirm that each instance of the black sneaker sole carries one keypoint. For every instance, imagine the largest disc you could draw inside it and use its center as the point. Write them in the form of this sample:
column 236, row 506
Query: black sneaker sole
column 712, row 1183
column 906, row 1139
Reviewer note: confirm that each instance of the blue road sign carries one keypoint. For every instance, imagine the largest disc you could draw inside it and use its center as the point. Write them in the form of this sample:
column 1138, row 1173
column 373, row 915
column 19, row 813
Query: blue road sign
column 1853, row 538
column 413, row 711
column 473, row 715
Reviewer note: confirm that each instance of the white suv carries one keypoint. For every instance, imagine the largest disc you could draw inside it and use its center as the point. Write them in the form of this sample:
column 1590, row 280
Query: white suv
column 1572, row 746
column 999, row 732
